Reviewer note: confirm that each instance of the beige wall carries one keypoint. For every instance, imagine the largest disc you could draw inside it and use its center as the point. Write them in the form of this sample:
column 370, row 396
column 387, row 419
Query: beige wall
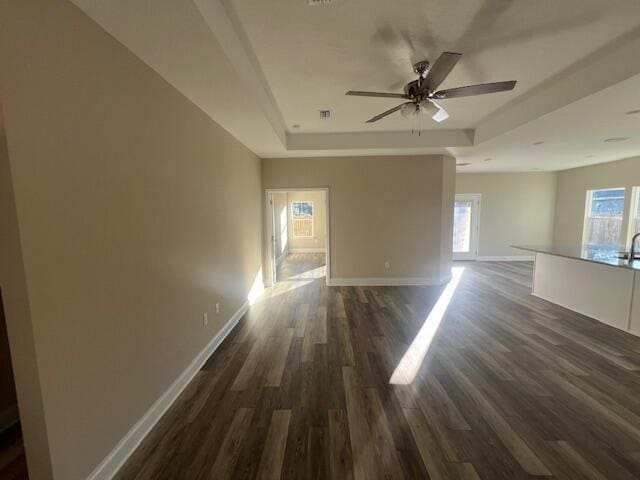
column 516, row 208
column 572, row 190
column 319, row 221
column 127, row 199
column 381, row 208
column 446, row 216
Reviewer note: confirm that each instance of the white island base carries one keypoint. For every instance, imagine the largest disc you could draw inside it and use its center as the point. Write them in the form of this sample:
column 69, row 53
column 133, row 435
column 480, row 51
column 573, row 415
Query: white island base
column 605, row 292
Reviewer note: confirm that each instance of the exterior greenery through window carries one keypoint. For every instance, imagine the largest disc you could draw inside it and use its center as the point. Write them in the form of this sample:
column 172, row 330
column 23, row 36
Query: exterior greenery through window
column 302, row 218
column 604, row 217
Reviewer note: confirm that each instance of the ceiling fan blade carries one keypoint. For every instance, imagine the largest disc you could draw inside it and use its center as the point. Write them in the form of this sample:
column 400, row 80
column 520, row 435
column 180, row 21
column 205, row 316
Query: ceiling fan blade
column 376, row 94
column 388, row 112
column 439, row 71
column 441, row 115
column 475, row 90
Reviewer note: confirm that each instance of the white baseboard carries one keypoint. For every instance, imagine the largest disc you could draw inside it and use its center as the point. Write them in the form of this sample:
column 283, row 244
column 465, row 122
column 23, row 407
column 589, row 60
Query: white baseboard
column 382, row 281
column 306, row 250
column 282, row 257
column 107, row 469
column 506, row 258
column 9, row 417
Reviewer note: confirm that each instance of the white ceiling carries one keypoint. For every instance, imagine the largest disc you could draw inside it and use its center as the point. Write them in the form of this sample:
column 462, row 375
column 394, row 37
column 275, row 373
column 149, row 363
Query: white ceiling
column 572, row 136
column 312, row 55
column 258, row 67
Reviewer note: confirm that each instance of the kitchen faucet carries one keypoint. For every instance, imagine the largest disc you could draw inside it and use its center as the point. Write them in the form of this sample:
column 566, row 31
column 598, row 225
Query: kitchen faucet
column 632, row 253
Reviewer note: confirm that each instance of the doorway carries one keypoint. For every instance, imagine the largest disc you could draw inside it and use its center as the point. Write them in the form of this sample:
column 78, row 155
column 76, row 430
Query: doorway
column 298, row 234
column 466, row 226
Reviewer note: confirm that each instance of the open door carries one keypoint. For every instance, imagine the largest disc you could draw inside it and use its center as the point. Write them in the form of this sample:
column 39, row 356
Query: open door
column 466, row 226
column 297, row 232
column 271, row 231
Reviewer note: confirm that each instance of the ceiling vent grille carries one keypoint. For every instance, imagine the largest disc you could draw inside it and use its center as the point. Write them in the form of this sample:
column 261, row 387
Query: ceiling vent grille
column 314, row 3
column 325, row 114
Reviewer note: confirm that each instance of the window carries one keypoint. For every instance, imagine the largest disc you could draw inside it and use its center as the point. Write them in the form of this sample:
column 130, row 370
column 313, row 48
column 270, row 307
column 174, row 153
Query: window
column 302, row 219
column 462, row 226
column 603, row 218
column 466, row 218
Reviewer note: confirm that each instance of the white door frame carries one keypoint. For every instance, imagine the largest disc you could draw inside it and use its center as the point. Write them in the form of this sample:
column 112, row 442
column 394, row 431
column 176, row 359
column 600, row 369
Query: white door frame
column 270, row 277
column 475, row 226
column 271, row 240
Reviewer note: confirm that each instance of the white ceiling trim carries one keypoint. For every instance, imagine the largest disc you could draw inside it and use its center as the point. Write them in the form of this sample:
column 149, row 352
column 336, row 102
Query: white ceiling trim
column 604, row 68
column 224, row 25
column 375, row 140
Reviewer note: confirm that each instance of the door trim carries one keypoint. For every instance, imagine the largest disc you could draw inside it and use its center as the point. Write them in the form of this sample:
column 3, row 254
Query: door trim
column 476, row 198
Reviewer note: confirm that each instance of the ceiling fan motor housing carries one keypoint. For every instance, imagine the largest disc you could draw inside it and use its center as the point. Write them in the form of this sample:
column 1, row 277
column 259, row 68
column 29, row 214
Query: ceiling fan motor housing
column 422, row 67
column 411, row 88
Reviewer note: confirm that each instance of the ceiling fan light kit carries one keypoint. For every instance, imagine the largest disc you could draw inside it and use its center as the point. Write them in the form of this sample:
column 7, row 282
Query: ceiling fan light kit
column 428, row 108
column 422, row 92
column 409, row 110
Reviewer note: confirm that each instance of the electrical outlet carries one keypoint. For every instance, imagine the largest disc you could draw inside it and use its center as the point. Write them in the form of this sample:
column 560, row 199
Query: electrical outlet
column 387, row 264
column 205, row 319
column 217, row 308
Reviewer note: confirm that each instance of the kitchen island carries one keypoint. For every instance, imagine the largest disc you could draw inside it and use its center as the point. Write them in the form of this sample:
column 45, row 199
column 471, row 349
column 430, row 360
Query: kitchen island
column 593, row 281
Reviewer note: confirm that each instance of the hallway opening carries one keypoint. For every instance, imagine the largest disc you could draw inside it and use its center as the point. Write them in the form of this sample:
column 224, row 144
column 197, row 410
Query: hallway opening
column 298, row 233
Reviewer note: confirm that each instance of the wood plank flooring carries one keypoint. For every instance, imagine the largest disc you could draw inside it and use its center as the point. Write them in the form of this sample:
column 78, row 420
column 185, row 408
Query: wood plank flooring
column 510, row 387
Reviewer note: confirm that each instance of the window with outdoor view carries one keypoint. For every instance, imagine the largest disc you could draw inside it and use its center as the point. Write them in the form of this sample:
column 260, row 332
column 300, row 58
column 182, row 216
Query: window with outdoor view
column 302, row 219
column 603, row 218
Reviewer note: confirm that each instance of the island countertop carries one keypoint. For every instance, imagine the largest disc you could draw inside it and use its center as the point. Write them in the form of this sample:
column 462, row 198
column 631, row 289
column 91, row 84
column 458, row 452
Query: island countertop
column 602, row 254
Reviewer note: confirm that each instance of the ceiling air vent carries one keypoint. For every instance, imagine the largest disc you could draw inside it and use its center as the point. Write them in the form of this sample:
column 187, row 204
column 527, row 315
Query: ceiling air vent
column 314, row 3
column 325, row 114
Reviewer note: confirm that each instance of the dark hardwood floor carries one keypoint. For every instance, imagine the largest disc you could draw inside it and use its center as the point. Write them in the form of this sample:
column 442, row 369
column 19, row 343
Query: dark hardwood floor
column 13, row 465
column 510, row 387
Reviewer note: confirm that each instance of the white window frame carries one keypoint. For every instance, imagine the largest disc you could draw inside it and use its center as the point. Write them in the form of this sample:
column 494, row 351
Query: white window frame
column 474, row 242
column 313, row 218
column 587, row 211
column 633, row 207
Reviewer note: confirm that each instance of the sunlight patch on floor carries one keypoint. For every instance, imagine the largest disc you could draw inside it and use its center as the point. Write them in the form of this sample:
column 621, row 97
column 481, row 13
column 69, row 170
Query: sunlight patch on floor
column 257, row 288
column 407, row 369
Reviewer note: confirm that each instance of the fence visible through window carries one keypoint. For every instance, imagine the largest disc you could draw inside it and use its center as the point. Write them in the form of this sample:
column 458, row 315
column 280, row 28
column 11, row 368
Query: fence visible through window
column 603, row 220
column 302, row 218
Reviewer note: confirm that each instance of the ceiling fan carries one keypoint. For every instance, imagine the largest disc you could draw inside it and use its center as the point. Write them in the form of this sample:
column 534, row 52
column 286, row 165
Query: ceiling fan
column 422, row 95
